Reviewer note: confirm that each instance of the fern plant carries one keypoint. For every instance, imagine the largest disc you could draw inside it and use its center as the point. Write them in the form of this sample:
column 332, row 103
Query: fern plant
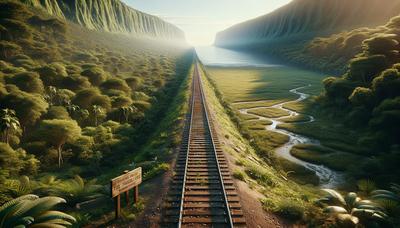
column 393, row 195
column 351, row 210
column 32, row 211
column 366, row 186
column 22, row 186
column 390, row 200
column 78, row 190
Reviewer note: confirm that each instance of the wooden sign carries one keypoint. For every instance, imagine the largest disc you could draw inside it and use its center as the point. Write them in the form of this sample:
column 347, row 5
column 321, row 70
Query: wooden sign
column 122, row 184
column 126, row 181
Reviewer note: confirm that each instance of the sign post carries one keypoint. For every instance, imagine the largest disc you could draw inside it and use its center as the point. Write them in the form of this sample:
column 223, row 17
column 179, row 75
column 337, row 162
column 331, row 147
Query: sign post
column 124, row 183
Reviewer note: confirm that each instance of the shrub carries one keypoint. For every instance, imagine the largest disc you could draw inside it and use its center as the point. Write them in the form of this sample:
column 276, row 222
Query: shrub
column 134, row 82
column 74, row 82
column 14, row 162
column 9, row 49
column 116, row 84
column 57, row 112
column 78, row 190
column 96, row 75
column 28, row 81
column 239, row 175
column 290, row 209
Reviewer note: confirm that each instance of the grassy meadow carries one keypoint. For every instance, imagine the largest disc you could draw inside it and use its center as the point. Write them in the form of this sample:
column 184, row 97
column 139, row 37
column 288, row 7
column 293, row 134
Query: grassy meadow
column 269, row 86
column 274, row 83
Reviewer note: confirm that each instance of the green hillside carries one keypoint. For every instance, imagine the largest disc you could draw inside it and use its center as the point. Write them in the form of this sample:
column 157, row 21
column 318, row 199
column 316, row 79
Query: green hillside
column 78, row 106
column 302, row 19
column 109, row 15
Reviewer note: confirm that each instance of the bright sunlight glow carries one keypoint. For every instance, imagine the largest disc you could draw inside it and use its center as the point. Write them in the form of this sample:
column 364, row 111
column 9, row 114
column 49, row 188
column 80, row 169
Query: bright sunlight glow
column 202, row 19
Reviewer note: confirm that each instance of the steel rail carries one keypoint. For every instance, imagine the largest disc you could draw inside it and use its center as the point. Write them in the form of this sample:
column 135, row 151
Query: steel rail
column 187, row 156
column 230, row 221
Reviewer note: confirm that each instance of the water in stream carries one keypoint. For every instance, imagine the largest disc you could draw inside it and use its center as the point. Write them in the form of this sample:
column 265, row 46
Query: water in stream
column 328, row 178
column 227, row 58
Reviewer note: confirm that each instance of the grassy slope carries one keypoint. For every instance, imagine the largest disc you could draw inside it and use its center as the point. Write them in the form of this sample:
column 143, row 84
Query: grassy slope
column 162, row 69
column 277, row 187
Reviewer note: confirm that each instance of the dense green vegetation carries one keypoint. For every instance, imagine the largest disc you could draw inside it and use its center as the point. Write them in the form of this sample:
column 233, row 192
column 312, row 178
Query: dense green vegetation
column 367, row 97
column 291, row 33
column 78, row 105
column 109, row 16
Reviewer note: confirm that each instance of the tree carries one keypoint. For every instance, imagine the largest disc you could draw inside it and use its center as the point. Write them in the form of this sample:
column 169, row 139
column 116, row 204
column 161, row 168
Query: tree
column 387, row 85
column 59, row 132
column 28, row 81
column 364, row 69
column 77, row 113
column 86, row 98
column 28, row 107
column 127, row 112
column 338, row 89
column 9, row 123
column 382, row 45
column 32, row 211
column 57, row 112
column 97, row 112
column 362, row 97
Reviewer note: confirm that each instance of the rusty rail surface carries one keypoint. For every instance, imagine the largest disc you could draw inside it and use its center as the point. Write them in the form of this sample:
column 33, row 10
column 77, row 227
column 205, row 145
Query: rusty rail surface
column 202, row 193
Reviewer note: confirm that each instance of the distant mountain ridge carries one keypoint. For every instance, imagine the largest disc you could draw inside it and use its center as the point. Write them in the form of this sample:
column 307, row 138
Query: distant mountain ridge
column 302, row 19
column 110, row 16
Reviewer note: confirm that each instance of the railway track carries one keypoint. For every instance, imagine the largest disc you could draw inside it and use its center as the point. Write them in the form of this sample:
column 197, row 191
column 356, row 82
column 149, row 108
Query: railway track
column 202, row 193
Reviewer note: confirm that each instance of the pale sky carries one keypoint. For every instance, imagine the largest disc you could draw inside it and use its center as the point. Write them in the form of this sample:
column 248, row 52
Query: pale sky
column 202, row 19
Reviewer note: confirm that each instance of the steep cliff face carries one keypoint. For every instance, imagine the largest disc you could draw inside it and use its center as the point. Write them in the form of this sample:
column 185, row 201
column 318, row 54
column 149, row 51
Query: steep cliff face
column 302, row 19
column 110, row 16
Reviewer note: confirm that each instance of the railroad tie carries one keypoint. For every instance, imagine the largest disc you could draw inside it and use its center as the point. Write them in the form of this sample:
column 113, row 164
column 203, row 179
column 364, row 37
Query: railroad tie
column 202, row 193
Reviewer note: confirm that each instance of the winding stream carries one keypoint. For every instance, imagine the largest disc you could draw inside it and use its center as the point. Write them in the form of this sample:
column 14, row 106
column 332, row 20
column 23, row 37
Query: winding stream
column 328, row 177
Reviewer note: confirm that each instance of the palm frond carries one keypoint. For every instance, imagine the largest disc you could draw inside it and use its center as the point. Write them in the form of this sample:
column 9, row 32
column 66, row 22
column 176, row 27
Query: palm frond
column 334, row 195
column 335, row 210
column 351, row 199
column 366, row 186
column 50, row 215
column 348, row 218
column 40, row 205
column 46, row 225
column 32, row 211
